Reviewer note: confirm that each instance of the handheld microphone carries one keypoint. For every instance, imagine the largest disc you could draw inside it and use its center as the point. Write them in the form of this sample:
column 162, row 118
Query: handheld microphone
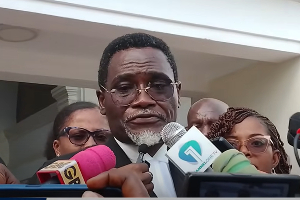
column 293, row 134
column 143, row 149
column 294, row 125
column 81, row 167
column 233, row 161
column 190, row 151
column 296, row 140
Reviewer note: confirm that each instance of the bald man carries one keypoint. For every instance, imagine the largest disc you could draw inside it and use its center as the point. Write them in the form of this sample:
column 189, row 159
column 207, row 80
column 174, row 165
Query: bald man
column 205, row 112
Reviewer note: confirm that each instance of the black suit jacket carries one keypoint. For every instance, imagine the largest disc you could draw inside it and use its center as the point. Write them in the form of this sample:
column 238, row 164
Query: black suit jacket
column 121, row 160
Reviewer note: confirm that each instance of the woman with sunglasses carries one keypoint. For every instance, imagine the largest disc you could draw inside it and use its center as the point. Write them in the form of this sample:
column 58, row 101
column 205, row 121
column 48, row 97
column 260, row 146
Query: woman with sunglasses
column 77, row 126
column 255, row 136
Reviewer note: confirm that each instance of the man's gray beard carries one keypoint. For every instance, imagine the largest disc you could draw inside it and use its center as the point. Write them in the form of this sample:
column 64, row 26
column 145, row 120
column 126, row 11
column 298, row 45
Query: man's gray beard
column 147, row 137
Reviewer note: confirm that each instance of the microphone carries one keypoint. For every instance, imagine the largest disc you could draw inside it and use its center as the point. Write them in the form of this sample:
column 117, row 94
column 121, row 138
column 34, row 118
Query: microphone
column 293, row 134
column 190, row 151
column 234, row 161
column 143, row 149
column 81, row 167
column 294, row 125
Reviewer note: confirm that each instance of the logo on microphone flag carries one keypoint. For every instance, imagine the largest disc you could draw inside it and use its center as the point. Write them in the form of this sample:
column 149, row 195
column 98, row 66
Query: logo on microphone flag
column 193, row 152
column 190, row 152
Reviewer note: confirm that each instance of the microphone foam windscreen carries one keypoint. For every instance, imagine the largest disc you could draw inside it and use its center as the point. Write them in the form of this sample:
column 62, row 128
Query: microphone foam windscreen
column 171, row 133
column 233, row 161
column 95, row 160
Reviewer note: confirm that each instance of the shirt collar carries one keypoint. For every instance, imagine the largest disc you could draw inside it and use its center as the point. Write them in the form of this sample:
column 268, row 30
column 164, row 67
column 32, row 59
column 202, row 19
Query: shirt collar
column 132, row 152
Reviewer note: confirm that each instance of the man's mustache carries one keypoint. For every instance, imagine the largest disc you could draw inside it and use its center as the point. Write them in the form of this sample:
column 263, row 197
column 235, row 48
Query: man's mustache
column 145, row 112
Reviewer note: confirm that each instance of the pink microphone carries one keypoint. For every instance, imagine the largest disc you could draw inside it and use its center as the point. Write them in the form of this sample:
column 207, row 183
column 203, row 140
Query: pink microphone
column 80, row 168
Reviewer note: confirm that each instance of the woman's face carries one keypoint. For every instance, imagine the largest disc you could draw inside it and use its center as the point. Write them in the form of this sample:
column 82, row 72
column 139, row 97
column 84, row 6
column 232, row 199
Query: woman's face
column 89, row 119
column 255, row 132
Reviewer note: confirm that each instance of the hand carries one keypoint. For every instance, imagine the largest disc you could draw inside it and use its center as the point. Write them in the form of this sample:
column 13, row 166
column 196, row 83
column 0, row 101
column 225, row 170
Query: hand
column 128, row 178
column 142, row 170
column 6, row 177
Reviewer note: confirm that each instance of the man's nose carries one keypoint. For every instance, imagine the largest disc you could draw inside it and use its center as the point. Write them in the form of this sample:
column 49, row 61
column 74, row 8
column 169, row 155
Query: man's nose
column 143, row 100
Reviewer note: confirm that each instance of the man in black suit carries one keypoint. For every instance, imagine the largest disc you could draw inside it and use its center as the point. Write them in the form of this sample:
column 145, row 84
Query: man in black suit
column 139, row 94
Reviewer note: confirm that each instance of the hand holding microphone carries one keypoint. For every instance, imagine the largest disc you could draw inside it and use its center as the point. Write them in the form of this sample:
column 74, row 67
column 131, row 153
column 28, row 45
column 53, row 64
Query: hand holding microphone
column 142, row 172
column 132, row 180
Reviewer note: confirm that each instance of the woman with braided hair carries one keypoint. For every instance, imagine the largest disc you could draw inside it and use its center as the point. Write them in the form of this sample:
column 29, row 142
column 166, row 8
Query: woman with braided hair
column 255, row 136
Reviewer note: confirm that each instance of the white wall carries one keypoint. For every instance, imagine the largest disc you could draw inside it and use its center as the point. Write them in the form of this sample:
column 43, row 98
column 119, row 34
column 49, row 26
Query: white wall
column 8, row 104
column 27, row 141
column 185, row 104
column 271, row 89
column 27, row 151
column 90, row 96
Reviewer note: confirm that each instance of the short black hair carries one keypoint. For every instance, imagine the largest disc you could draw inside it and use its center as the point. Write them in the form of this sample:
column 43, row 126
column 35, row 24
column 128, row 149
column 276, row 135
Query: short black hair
column 60, row 120
column 133, row 40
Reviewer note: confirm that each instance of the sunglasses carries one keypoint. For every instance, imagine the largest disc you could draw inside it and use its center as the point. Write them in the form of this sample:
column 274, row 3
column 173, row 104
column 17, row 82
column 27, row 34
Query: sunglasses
column 79, row 136
column 256, row 145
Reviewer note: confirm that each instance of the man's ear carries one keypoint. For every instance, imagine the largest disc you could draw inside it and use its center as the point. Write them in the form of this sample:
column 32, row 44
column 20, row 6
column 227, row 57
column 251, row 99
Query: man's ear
column 101, row 99
column 178, row 91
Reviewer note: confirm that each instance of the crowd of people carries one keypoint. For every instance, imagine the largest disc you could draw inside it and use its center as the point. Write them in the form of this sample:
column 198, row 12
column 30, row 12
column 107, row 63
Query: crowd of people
column 139, row 93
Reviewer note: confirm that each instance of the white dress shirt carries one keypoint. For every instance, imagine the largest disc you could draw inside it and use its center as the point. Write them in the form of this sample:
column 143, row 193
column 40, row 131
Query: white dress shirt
column 159, row 167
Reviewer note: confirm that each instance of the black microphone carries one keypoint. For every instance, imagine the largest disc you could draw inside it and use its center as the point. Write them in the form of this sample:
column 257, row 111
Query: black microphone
column 143, row 149
column 294, row 125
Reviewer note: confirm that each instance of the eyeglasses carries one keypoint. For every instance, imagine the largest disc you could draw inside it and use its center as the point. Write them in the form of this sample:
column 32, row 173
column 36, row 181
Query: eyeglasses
column 125, row 94
column 257, row 144
column 79, row 136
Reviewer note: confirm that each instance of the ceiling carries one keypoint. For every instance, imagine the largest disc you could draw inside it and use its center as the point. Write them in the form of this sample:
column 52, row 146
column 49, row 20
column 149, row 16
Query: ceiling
column 65, row 59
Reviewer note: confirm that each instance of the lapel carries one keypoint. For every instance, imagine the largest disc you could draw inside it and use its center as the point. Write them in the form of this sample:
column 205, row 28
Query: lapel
column 121, row 158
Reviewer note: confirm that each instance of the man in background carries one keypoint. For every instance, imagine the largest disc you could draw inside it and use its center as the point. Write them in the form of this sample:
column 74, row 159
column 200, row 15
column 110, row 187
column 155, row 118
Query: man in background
column 205, row 112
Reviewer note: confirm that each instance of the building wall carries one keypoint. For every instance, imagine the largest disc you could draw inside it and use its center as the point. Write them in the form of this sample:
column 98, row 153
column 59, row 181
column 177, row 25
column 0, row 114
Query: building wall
column 8, row 104
column 27, row 140
column 271, row 89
